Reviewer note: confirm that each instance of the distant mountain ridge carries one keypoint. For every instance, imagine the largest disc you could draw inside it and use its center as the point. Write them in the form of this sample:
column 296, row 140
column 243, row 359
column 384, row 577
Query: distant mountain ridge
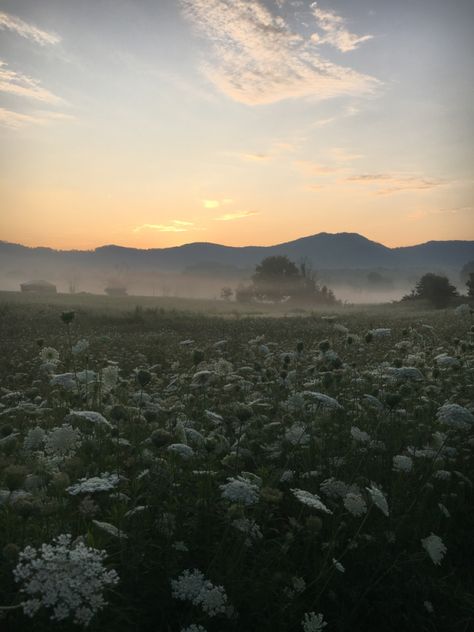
column 323, row 250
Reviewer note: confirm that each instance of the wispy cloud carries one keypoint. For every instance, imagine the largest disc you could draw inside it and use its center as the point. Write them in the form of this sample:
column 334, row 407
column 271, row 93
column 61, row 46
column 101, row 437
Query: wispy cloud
column 29, row 31
column 216, row 203
column 309, row 168
column 228, row 217
column 334, row 31
column 340, row 154
column 17, row 120
column 387, row 184
column 257, row 58
column 24, row 86
column 176, row 226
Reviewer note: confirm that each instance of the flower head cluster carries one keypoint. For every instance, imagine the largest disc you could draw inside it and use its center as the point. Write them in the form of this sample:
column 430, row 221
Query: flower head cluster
column 62, row 441
column 313, row 622
column 311, row 500
column 378, row 498
column 435, row 548
column 455, row 416
column 194, row 587
column 49, row 354
column 103, row 483
column 240, row 490
column 402, row 463
column 355, row 504
column 66, row 577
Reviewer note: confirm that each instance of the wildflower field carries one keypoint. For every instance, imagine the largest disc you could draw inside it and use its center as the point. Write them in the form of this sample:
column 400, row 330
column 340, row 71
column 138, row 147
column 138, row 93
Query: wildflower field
column 178, row 472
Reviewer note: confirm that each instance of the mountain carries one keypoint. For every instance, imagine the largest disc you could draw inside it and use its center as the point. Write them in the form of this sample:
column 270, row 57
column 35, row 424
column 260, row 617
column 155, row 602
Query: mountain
column 330, row 252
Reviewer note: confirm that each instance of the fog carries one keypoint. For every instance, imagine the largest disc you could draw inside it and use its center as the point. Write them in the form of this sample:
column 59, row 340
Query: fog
column 351, row 286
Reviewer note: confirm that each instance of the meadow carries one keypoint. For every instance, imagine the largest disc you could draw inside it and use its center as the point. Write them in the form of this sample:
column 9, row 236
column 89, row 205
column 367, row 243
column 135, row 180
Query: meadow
column 192, row 467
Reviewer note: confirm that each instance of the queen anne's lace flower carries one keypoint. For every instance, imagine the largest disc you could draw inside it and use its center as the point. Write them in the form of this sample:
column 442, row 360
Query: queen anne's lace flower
column 355, row 504
column 62, row 441
column 455, row 416
column 311, row 500
column 378, row 498
column 402, row 463
column 240, row 490
column 103, row 483
column 435, row 548
column 313, row 622
column 66, row 577
column 194, row 587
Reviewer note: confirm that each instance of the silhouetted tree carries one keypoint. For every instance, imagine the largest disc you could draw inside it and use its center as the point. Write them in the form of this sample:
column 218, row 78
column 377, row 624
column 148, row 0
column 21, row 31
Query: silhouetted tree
column 278, row 277
column 470, row 285
column 226, row 293
column 275, row 277
column 434, row 288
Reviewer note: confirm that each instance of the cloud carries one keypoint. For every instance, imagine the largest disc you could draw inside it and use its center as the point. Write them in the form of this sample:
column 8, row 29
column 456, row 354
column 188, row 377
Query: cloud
column 343, row 155
column 176, row 226
column 17, row 120
column 217, row 203
column 335, row 32
column 211, row 203
column 387, row 184
column 228, row 217
column 309, row 168
column 16, row 25
column 23, row 86
column 256, row 58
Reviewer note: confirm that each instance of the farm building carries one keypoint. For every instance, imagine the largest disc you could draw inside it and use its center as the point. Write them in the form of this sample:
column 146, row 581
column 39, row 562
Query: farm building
column 43, row 287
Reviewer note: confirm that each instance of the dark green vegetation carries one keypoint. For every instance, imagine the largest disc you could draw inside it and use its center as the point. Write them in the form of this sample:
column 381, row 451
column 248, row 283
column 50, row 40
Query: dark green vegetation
column 324, row 404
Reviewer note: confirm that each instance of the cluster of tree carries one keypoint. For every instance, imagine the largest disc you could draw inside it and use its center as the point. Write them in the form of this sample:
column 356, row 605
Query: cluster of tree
column 278, row 279
column 438, row 290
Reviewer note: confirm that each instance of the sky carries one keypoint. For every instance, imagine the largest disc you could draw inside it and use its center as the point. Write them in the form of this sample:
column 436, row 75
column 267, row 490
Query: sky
column 154, row 123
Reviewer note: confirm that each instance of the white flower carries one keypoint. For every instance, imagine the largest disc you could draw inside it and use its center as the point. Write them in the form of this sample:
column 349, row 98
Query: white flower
column 66, row 380
column 355, row 504
column 88, row 415
column 297, row 435
column 435, row 548
column 455, row 416
column 405, row 373
column 80, row 346
column 323, row 401
column 313, row 622
column 194, row 627
column 443, row 360
column 103, row 483
column 250, row 528
column 34, row 439
column 194, row 587
column 333, row 488
column 110, row 529
column 68, row 578
column 338, row 566
column 378, row 498
column 380, row 332
column 463, row 310
column 402, row 463
column 240, row 490
column 181, row 449
column 311, row 500
column 359, row 435
column 49, row 354
column 109, row 377
column 62, row 441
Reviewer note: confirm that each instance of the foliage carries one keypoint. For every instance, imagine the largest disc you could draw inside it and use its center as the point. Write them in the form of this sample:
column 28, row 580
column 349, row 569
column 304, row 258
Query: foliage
column 278, row 278
column 434, row 288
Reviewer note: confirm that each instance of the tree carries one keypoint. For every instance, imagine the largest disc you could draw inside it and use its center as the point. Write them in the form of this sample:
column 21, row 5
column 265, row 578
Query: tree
column 470, row 285
column 275, row 278
column 226, row 293
column 278, row 278
column 434, row 288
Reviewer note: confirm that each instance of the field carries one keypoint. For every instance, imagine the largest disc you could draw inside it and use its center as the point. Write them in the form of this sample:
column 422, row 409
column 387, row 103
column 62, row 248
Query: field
column 167, row 469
